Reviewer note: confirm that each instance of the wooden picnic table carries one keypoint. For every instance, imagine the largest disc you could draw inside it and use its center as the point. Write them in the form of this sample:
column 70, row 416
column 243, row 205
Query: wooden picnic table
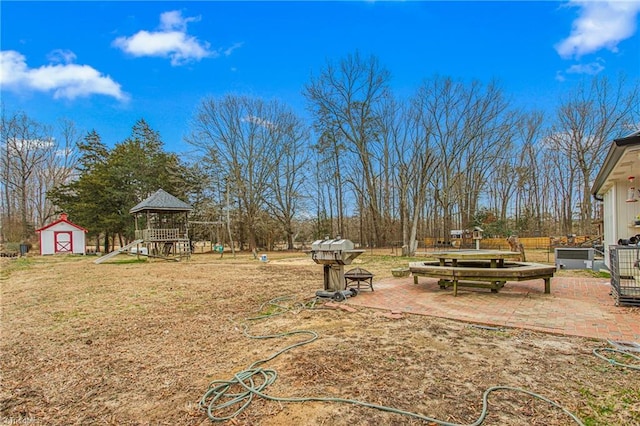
column 480, row 268
column 495, row 257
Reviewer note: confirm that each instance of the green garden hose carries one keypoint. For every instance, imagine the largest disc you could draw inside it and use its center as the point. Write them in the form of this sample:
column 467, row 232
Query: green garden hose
column 597, row 352
column 223, row 396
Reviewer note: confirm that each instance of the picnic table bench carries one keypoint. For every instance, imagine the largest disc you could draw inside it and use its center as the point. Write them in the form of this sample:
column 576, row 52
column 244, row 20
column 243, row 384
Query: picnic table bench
column 480, row 268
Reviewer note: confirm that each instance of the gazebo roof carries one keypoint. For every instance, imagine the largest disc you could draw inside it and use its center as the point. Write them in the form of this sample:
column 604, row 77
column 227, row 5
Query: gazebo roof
column 161, row 201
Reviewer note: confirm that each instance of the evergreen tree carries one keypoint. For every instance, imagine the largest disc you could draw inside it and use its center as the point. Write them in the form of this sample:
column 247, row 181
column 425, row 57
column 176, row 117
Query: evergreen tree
column 111, row 182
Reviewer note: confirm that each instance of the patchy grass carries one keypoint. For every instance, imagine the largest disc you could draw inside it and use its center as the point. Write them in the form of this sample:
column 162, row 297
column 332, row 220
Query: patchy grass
column 129, row 261
column 604, row 408
column 9, row 265
column 139, row 343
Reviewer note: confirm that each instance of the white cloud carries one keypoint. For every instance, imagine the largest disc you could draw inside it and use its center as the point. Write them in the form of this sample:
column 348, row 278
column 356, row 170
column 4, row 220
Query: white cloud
column 170, row 41
column 259, row 121
column 174, row 21
column 600, row 24
column 592, row 68
column 64, row 80
column 61, row 56
column 230, row 50
column 20, row 144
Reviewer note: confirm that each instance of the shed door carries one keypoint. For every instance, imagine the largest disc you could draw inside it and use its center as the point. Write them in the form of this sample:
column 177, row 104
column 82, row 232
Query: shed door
column 63, row 242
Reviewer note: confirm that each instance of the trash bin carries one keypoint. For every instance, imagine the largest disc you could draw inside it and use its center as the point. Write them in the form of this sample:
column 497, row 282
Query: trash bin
column 24, row 248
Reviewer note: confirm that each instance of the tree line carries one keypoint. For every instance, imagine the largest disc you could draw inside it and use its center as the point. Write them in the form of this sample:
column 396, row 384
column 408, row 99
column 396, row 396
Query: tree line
column 366, row 164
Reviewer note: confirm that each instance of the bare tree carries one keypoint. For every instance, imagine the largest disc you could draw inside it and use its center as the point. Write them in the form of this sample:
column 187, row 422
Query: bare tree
column 331, row 162
column 345, row 100
column 470, row 127
column 391, row 130
column 289, row 138
column 586, row 121
column 58, row 169
column 324, row 188
column 258, row 145
column 504, row 183
column 28, row 148
column 516, row 178
column 414, row 162
column 531, row 179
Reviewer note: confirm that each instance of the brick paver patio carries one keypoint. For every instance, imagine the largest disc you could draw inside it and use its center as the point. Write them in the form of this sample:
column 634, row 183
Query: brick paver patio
column 576, row 306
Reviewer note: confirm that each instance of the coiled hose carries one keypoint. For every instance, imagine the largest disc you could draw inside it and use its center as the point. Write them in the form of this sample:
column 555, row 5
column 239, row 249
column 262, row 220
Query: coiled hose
column 597, row 352
column 223, row 395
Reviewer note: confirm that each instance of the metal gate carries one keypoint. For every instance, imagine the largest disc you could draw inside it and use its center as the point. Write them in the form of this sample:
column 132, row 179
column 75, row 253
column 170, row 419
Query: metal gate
column 625, row 274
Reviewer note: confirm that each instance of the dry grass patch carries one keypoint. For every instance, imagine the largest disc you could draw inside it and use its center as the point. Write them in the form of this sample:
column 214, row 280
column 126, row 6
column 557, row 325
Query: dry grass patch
column 139, row 343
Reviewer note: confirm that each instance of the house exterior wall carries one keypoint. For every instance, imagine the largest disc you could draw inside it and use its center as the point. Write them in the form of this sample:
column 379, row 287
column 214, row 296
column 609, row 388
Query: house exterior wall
column 627, row 212
column 610, row 223
column 46, row 242
column 79, row 242
column 612, row 185
column 619, row 217
column 48, row 238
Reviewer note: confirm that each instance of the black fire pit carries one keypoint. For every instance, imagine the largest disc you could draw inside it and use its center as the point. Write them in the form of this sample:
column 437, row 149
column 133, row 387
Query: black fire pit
column 353, row 278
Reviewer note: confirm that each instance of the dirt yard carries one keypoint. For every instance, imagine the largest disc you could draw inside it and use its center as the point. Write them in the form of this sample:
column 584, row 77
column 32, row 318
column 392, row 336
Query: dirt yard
column 139, row 343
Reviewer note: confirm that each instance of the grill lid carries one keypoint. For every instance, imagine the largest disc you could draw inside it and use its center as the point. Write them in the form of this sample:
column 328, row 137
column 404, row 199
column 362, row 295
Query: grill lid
column 328, row 244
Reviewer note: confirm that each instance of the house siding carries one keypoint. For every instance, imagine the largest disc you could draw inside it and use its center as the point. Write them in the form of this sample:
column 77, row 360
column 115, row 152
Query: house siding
column 610, row 223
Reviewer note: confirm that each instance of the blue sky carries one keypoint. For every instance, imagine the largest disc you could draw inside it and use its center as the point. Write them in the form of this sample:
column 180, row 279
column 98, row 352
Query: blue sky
column 105, row 65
